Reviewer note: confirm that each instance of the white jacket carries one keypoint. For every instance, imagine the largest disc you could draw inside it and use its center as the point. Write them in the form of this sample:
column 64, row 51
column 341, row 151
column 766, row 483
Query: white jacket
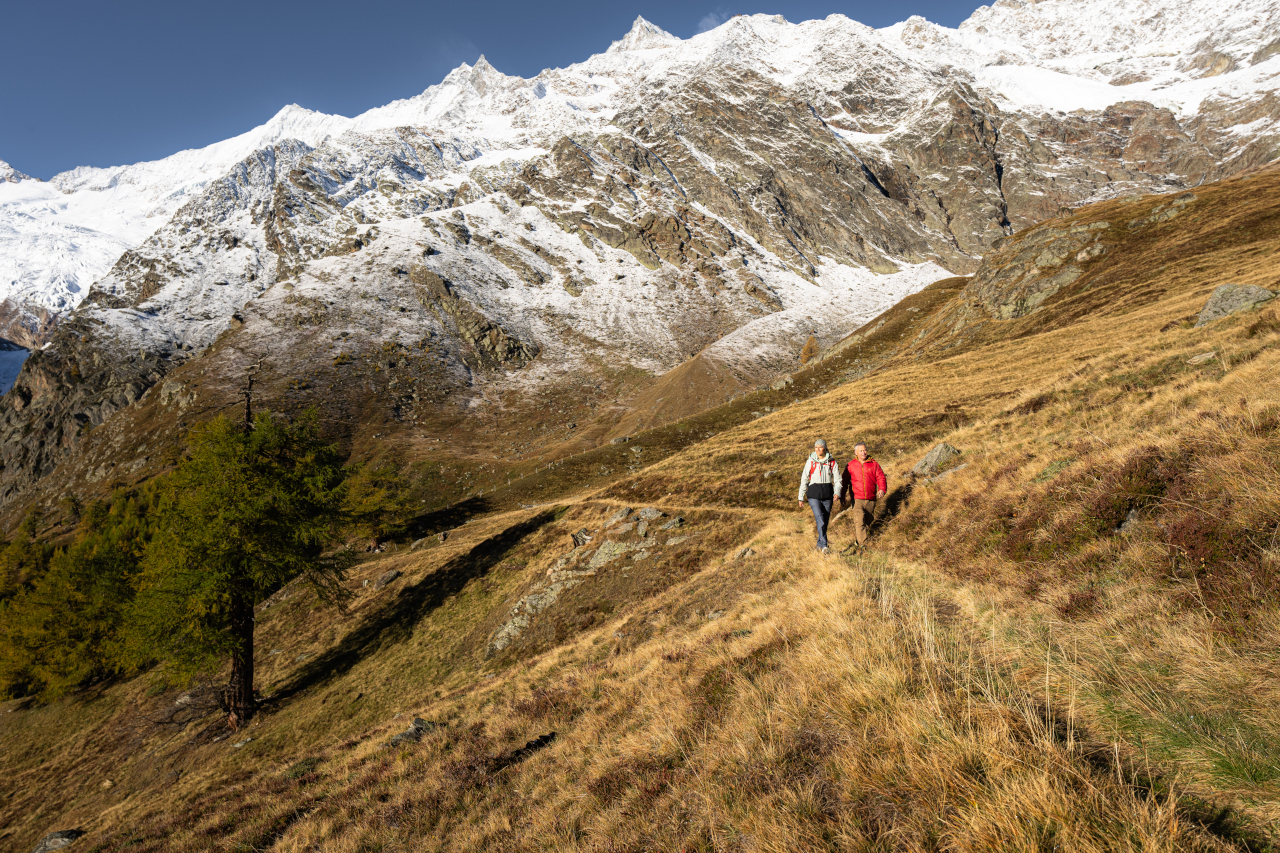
column 820, row 472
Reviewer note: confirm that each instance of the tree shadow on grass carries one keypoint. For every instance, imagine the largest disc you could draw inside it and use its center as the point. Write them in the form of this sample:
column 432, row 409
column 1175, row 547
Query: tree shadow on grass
column 455, row 515
column 395, row 620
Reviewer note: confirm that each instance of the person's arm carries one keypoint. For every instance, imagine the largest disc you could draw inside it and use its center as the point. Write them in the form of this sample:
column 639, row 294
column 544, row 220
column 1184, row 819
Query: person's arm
column 882, row 482
column 804, row 480
column 837, row 480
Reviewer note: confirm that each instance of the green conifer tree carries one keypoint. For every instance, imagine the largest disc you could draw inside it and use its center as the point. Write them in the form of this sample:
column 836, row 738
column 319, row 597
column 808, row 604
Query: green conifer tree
column 255, row 505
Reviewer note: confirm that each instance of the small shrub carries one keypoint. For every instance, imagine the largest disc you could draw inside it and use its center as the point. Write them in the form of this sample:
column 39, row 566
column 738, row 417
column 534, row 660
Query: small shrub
column 1079, row 604
column 305, row 767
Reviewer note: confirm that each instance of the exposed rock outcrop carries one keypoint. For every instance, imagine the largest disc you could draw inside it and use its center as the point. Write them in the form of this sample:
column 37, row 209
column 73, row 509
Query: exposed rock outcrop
column 1229, row 299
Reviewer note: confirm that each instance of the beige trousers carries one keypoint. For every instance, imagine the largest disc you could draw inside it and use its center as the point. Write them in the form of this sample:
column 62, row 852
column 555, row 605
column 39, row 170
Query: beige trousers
column 865, row 513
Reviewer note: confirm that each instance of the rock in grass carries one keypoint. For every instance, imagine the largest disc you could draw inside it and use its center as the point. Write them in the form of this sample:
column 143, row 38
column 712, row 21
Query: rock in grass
column 386, row 579
column 57, row 840
column 935, row 460
column 1231, row 298
column 673, row 523
column 650, row 513
column 619, row 515
column 414, row 733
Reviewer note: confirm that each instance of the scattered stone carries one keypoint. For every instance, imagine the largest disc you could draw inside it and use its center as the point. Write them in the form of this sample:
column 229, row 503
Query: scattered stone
column 619, row 515
column 715, row 614
column 582, row 537
column 419, row 543
column 386, row 579
column 1129, row 521
column 625, row 528
column 649, row 513
column 637, row 449
column 241, row 743
column 673, row 523
column 107, row 785
column 1231, row 298
column 935, row 460
column 444, row 534
column 642, row 528
column 610, row 551
column 417, row 729
column 744, row 553
column 622, row 439
column 676, row 540
column 768, row 474
column 782, row 383
column 57, row 840
column 1202, row 357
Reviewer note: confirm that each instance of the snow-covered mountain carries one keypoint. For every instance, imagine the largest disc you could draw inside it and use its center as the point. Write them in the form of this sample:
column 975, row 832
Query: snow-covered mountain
column 723, row 197
column 57, row 238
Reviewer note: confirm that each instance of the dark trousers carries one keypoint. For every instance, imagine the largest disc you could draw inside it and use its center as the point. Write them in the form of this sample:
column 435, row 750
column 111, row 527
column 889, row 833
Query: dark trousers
column 821, row 515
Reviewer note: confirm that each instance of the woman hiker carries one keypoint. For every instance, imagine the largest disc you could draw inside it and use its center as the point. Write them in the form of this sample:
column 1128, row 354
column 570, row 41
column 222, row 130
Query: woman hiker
column 820, row 483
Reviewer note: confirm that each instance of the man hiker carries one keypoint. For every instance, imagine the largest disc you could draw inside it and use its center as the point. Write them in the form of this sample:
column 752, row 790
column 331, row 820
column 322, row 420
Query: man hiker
column 867, row 486
column 820, row 484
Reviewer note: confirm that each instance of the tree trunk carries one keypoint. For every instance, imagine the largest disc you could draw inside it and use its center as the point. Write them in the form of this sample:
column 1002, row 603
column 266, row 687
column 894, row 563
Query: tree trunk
column 238, row 697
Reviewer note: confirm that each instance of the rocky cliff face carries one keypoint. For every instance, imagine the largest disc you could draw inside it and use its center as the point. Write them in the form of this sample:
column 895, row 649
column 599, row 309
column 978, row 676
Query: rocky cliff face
column 497, row 239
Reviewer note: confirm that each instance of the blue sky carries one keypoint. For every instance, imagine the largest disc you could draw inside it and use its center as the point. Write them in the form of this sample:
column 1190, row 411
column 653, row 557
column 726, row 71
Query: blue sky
column 100, row 84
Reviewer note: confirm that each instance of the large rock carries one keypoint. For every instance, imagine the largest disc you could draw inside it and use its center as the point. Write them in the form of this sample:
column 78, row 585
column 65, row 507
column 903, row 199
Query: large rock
column 935, row 460
column 1231, row 298
column 57, row 840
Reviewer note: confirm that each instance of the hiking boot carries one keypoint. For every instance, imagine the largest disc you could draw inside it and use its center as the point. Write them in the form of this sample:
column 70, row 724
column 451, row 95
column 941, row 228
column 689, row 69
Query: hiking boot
column 825, row 550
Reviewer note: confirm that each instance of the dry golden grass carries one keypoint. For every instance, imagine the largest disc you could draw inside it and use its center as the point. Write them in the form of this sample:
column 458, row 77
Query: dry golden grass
column 843, row 706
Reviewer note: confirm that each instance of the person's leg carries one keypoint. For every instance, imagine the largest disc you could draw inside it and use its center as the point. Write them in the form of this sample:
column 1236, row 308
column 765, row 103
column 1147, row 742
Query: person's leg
column 821, row 514
column 826, row 520
column 860, row 520
column 874, row 510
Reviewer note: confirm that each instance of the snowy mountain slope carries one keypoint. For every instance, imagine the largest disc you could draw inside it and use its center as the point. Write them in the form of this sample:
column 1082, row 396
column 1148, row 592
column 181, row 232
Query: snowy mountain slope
column 1059, row 55
column 60, row 236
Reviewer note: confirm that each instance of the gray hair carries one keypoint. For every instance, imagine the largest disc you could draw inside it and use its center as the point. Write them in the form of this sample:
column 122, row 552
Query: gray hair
column 820, row 443
column 859, row 444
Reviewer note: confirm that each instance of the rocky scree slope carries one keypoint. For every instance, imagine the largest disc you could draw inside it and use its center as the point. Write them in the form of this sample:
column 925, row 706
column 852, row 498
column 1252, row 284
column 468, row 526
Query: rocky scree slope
column 727, row 195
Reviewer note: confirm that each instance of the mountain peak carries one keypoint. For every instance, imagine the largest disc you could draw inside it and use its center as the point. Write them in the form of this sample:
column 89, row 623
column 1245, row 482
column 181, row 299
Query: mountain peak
column 12, row 175
column 643, row 36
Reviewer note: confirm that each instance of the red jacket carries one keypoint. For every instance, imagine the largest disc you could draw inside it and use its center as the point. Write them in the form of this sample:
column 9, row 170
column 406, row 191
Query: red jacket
column 865, row 479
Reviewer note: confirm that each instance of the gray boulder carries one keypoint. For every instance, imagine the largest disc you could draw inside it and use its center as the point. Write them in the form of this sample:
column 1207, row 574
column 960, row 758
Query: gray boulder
column 1230, row 298
column 386, row 579
column 415, row 732
column 935, row 460
column 57, row 840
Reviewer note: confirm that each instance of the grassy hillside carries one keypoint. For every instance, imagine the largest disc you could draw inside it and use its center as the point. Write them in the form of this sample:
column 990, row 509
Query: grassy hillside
column 1069, row 643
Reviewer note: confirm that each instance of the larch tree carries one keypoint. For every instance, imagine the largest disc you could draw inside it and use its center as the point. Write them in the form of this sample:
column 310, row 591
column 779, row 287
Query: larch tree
column 809, row 351
column 256, row 504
